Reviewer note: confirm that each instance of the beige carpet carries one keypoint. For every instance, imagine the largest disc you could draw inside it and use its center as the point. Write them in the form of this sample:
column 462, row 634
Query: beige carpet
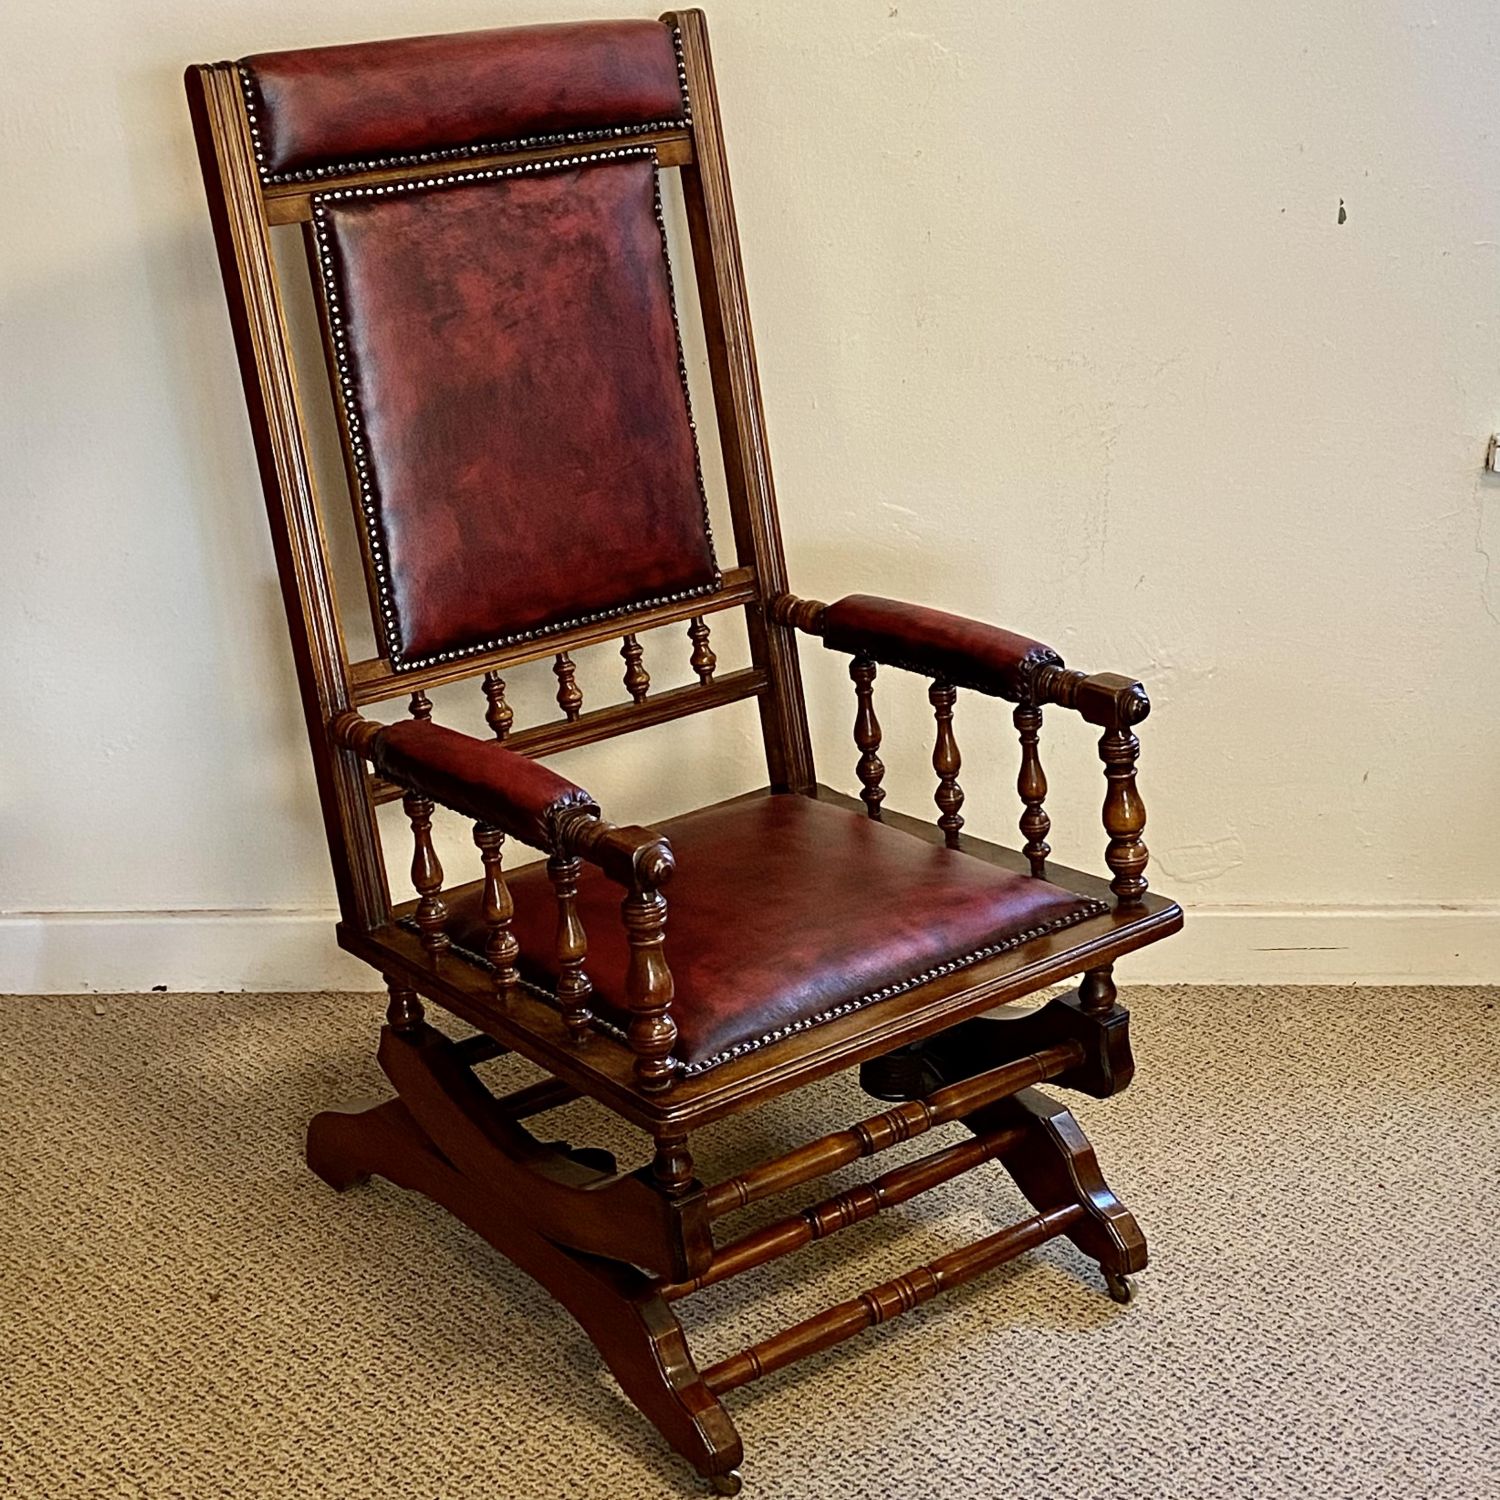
column 188, row 1312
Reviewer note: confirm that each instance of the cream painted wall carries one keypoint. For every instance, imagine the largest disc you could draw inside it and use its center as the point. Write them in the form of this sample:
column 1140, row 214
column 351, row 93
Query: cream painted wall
column 1058, row 326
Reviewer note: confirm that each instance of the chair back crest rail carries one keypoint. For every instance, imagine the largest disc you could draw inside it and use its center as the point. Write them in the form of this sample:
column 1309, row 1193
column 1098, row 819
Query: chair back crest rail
column 398, row 158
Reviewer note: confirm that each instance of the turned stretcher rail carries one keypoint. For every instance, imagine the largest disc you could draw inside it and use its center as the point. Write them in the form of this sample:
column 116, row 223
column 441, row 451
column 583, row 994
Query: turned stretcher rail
column 888, row 1300
column 903, row 1123
column 846, row 1209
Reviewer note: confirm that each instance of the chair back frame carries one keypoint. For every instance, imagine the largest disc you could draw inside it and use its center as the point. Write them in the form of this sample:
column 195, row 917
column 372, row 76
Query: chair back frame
column 244, row 209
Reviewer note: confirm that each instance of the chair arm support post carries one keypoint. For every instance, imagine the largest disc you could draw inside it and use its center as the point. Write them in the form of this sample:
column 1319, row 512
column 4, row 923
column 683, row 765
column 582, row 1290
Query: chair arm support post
column 652, row 1032
column 567, row 827
column 1116, row 704
column 963, row 653
column 640, row 860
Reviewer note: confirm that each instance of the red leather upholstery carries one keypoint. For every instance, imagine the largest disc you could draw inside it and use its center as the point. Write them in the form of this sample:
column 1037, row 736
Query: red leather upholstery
column 428, row 97
column 480, row 778
column 511, row 374
column 960, row 651
column 785, row 909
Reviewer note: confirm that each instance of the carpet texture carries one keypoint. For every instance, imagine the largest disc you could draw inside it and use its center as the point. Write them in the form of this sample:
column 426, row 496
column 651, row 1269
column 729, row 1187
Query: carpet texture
column 186, row 1311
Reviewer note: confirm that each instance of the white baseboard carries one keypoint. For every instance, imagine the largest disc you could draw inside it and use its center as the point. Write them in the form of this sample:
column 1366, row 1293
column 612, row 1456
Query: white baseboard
column 293, row 950
column 1415, row 943
column 273, row 952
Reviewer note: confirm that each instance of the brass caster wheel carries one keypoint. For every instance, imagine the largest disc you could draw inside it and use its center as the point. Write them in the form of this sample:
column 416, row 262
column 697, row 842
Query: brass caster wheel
column 1121, row 1288
column 726, row 1484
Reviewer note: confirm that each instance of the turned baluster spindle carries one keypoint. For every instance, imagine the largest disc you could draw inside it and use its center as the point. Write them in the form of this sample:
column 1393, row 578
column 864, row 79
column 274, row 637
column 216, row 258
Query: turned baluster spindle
column 652, row 1032
column 1031, row 784
column 500, row 947
column 1097, row 991
column 404, row 1012
column 499, row 715
column 420, row 706
column 946, row 762
column 573, row 985
column 1124, row 816
column 426, row 874
column 672, row 1165
column 703, row 660
column 637, row 678
column 871, row 769
column 1114, row 703
column 569, row 694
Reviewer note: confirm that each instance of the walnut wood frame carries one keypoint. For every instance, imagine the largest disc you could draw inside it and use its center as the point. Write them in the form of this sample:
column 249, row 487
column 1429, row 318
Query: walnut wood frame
column 617, row 1248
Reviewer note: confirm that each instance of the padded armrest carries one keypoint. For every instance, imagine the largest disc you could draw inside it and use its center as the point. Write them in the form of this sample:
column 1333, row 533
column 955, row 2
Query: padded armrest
column 479, row 778
column 963, row 652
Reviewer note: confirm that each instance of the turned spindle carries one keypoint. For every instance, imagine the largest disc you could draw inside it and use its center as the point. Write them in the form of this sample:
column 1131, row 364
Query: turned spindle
column 1114, row 703
column 499, row 715
column 420, row 706
column 946, row 762
column 1031, row 784
column 1124, row 816
column 637, row 678
column 1097, row 991
column 703, row 660
column 569, row 694
column 798, row 614
column 501, row 947
column 404, row 1012
column 426, row 873
column 871, row 769
column 672, row 1166
column 652, row 1032
column 573, row 985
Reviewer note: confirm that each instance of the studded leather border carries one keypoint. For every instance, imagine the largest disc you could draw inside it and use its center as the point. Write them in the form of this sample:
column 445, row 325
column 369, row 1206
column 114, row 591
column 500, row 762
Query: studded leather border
column 455, row 153
column 1088, row 908
column 390, row 623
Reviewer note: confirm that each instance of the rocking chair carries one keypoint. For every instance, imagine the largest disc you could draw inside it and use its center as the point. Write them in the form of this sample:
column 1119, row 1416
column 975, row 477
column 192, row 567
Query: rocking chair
column 483, row 225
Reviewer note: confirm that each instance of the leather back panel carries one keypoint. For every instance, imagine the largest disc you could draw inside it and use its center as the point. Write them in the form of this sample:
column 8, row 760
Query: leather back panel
column 511, row 378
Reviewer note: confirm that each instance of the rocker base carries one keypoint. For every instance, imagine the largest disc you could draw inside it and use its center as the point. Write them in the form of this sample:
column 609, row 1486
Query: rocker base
column 615, row 1304
column 446, row 1136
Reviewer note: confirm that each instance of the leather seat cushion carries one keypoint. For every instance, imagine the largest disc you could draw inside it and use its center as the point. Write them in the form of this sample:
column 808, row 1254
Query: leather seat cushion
column 783, row 912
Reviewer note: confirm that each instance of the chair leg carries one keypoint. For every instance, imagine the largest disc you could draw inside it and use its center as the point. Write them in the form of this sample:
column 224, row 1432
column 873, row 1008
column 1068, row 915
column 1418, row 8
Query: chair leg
column 1053, row 1164
column 617, row 1305
column 1050, row 1158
